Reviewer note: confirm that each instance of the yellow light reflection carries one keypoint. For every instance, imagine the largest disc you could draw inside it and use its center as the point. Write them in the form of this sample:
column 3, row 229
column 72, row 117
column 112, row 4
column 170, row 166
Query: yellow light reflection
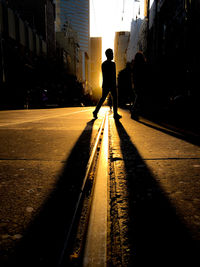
column 100, row 79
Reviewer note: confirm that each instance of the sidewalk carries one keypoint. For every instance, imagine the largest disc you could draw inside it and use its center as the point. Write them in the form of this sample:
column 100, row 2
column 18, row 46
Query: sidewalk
column 185, row 122
column 153, row 191
column 188, row 127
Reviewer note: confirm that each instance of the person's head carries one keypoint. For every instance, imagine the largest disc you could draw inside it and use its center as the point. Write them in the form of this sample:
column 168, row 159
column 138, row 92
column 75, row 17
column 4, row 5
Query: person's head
column 139, row 58
column 109, row 54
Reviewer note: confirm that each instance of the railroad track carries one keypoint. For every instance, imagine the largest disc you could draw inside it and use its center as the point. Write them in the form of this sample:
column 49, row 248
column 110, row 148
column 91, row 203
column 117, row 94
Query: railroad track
column 85, row 240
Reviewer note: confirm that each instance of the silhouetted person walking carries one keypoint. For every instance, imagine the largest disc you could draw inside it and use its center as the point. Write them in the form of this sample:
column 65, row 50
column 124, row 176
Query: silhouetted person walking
column 109, row 84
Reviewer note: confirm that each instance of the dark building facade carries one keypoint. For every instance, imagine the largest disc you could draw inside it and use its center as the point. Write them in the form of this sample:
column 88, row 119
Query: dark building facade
column 27, row 43
column 173, row 50
column 33, row 72
column 40, row 15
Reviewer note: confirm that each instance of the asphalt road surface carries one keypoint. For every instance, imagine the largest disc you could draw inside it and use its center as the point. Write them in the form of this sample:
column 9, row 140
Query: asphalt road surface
column 43, row 151
column 37, row 148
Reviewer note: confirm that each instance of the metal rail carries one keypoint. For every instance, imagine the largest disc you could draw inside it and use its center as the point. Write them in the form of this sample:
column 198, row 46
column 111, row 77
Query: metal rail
column 88, row 169
column 95, row 249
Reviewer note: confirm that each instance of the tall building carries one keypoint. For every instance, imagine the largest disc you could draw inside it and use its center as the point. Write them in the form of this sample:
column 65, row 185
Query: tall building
column 95, row 65
column 120, row 48
column 75, row 12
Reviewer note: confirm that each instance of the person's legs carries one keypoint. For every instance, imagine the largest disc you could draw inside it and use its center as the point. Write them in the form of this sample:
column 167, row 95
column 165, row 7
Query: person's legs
column 115, row 104
column 114, row 98
column 100, row 103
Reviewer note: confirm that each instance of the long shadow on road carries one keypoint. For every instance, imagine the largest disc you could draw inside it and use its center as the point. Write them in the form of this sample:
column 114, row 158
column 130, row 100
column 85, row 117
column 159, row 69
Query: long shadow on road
column 157, row 235
column 44, row 239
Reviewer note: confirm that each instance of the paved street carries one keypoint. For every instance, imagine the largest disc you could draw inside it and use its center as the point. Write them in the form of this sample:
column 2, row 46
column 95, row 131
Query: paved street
column 156, row 172
column 37, row 148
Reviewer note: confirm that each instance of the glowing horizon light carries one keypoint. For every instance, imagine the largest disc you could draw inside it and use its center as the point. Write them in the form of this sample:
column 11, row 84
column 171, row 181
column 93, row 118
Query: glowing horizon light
column 108, row 17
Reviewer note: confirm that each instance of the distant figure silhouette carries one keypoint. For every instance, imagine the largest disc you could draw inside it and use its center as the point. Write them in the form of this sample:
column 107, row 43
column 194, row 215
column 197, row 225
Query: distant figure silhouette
column 109, row 84
column 139, row 75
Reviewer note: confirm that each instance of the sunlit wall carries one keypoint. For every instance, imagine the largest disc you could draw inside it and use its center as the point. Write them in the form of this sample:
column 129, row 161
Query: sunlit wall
column 95, row 66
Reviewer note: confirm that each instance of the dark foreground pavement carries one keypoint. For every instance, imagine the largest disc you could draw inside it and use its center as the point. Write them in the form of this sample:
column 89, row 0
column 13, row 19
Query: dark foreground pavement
column 43, row 156
column 154, row 187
